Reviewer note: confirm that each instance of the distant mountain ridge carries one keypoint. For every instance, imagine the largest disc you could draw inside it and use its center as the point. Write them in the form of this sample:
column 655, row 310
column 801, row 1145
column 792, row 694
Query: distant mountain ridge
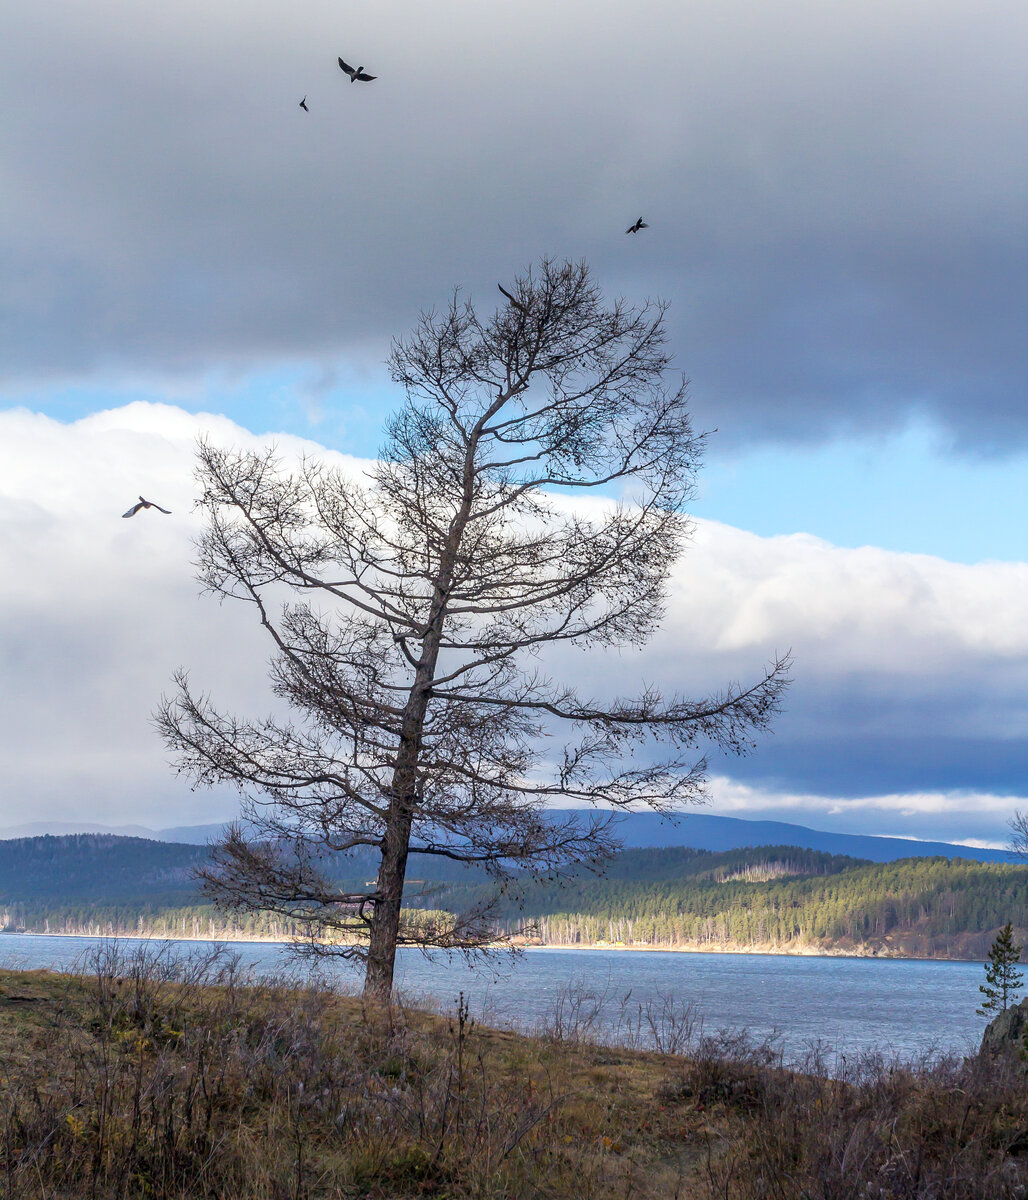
column 701, row 831
column 705, row 831
column 769, row 899
column 190, row 835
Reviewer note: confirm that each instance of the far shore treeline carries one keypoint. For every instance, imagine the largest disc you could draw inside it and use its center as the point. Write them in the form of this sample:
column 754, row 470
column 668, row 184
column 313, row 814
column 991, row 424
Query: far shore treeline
column 768, row 898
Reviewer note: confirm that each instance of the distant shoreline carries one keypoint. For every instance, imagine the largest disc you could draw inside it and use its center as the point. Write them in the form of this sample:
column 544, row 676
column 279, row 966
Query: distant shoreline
column 754, row 950
column 143, row 937
column 777, row 952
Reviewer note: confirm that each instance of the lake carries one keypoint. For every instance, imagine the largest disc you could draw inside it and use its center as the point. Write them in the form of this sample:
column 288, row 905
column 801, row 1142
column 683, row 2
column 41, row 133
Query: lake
column 900, row 1007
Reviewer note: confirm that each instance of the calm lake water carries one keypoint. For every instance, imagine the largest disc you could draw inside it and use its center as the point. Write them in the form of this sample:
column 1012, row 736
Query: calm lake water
column 898, row 1007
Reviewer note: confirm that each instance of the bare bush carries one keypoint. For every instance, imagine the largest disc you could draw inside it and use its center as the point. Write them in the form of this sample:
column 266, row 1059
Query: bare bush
column 604, row 1015
column 938, row 1129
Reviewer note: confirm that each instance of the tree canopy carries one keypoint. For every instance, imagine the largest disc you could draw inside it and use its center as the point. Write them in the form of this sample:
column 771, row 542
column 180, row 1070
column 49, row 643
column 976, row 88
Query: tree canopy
column 422, row 597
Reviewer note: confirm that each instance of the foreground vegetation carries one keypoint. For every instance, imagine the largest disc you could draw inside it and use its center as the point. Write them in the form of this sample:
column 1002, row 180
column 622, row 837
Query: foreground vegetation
column 142, row 1079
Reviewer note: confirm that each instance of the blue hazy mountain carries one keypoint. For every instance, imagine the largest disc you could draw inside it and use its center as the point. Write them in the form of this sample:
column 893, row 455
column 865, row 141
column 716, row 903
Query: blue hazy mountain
column 701, row 831
column 704, row 831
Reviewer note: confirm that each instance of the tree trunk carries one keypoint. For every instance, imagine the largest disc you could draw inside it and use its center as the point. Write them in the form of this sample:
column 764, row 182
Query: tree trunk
column 392, row 870
column 385, row 919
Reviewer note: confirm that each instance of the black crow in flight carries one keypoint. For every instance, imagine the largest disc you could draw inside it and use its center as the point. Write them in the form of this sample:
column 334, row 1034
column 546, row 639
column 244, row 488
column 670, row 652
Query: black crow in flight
column 356, row 73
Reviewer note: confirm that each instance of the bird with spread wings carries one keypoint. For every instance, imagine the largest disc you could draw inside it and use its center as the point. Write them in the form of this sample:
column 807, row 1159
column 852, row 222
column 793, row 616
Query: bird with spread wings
column 517, row 303
column 356, row 73
column 146, row 504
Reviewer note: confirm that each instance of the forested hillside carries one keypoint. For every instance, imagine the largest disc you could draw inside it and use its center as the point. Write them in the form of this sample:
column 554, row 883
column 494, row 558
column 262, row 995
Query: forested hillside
column 777, row 898
column 100, row 883
column 96, row 867
column 931, row 907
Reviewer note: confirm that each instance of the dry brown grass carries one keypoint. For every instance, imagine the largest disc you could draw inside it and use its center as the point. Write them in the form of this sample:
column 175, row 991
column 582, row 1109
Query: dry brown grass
column 144, row 1080
column 140, row 1080
column 941, row 1129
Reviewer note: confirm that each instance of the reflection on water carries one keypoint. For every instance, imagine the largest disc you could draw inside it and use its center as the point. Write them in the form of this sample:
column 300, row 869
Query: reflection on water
column 895, row 1006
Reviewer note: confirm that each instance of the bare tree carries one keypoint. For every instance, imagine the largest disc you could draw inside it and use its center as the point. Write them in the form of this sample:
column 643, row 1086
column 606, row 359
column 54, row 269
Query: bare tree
column 423, row 597
column 1018, row 826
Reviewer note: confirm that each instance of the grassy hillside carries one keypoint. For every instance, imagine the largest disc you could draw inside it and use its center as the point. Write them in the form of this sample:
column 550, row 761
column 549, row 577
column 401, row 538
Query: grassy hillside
column 138, row 1082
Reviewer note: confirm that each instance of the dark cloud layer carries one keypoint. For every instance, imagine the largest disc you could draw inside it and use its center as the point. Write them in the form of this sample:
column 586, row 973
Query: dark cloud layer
column 859, row 766
column 836, row 193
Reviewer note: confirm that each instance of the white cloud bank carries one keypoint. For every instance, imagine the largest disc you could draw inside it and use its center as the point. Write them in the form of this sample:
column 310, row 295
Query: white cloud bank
column 924, row 816
column 908, row 714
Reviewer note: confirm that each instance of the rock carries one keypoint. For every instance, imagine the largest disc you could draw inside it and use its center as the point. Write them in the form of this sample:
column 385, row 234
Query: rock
column 1004, row 1032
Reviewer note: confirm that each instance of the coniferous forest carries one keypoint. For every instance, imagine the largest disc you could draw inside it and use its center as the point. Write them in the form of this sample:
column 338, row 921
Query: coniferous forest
column 780, row 898
column 772, row 898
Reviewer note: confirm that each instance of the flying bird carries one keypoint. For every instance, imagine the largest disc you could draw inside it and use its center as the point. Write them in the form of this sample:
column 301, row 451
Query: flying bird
column 356, row 73
column 640, row 224
column 146, row 504
column 517, row 303
column 303, row 104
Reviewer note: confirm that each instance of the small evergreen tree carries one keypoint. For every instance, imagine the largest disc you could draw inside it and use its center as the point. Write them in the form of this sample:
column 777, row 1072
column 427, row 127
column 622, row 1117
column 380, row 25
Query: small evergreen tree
column 1002, row 978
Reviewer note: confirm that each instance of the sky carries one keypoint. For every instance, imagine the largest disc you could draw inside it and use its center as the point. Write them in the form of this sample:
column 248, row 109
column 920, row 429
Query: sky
column 837, row 202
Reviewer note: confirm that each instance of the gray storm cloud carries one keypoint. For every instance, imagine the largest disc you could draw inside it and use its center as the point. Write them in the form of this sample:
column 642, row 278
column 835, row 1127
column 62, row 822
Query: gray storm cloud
column 836, row 193
column 910, row 672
